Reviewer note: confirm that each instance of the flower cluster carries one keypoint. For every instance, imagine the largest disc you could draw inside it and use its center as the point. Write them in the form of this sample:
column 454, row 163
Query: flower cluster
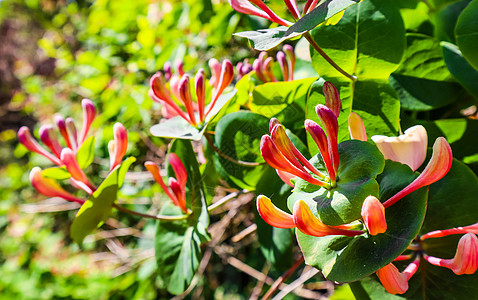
column 66, row 157
column 263, row 65
column 465, row 260
column 176, row 188
column 179, row 87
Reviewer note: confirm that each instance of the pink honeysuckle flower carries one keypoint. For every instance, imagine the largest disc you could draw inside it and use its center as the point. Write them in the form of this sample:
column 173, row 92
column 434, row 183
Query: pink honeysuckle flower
column 437, row 167
column 167, row 71
column 466, row 257
column 268, row 69
column 243, row 68
column 175, row 190
column 373, row 214
column 332, row 98
column 286, row 177
column 289, row 52
column 68, row 157
column 320, row 139
column 49, row 187
column 117, row 148
column 263, row 65
column 72, row 133
column 282, row 60
column 331, row 127
column 277, row 160
column 262, row 10
column 309, row 224
column 179, row 67
column 89, row 114
column 25, row 137
column 60, row 123
column 395, row 282
column 179, row 170
column 458, row 230
column 409, row 148
column 272, row 215
column 179, row 88
column 47, row 136
column 357, row 128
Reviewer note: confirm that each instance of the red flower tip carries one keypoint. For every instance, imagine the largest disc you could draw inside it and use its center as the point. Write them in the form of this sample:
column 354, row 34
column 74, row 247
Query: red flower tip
column 272, row 215
column 47, row 136
column 319, row 137
column 118, row 147
column 89, row 114
column 332, row 98
column 25, row 137
column 373, row 214
column 395, row 282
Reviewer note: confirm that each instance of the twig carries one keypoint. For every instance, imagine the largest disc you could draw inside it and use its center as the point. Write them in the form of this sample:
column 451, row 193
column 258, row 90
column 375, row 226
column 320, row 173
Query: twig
column 281, row 279
column 244, row 233
column 327, row 58
column 225, row 199
column 156, row 217
column 238, row 162
column 256, row 292
column 296, row 283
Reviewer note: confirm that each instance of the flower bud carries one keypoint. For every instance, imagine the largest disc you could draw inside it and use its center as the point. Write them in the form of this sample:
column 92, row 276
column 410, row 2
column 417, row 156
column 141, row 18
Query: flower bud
column 357, row 128
column 89, row 114
column 49, row 187
column 25, row 137
column 332, row 98
column 272, row 215
column 373, row 214
column 48, row 138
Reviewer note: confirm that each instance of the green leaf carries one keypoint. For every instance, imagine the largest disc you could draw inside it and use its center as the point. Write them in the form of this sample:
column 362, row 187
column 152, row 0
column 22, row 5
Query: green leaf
column 368, row 42
column 323, row 12
column 238, row 136
column 346, row 259
column 58, row 173
column 124, row 169
column 283, row 100
column 178, row 127
column 265, row 39
column 96, row 209
column 466, row 32
column 86, row 152
column 460, row 68
column 360, row 162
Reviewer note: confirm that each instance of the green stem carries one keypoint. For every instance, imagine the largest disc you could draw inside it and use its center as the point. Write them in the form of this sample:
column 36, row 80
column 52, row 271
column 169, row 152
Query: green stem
column 157, row 217
column 327, row 58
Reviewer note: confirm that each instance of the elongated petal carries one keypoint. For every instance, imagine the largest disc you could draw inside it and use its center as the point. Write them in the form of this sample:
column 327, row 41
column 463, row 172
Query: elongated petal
column 154, row 170
column 373, row 214
column 268, row 69
column 227, row 74
column 292, row 7
column 283, row 65
column 72, row 133
column 186, row 97
column 215, row 67
column 437, row 167
column 60, row 123
column 179, row 169
column 167, row 71
column 290, row 152
column 49, row 187
column 331, row 128
column 245, row 7
column 120, row 144
column 275, row 159
column 332, row 98
column 159, row 93
column 318, row 135
column 200, row 84
column 47, row 136
column 257, row 67
column 179, row 67
column 89, row 114
column 409, row 148
column 272, row 123
column 25, row 137
column 179, row 193
column 458, row 230
column 466, row 257
column 68, row 157
column 394, row 281
column 357, row 128
column 289, row 52
column 308, row 224
column 272, row 215
column 285, row 177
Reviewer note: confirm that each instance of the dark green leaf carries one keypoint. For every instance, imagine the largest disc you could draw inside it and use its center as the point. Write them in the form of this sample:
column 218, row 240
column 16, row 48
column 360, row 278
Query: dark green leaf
column 86, row 152
column 360, row 162
column 466, row 32
column 460, row 68
column 346, row 259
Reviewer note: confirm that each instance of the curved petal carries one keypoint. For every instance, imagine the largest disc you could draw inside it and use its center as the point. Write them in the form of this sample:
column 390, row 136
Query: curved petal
column 373, row 214
column 273, row 215
column 357, row 128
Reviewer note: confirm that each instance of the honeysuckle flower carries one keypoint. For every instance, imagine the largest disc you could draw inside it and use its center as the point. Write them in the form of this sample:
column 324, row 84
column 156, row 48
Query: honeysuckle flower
column 179, row 87
column 357, row 128
column 243, row 68
column 302, row 218
column 67, row 130
column 332, row 98
column 409, row 148
column 373, row 214
column 68, row 157
column 117, row 147
column 263, row 65
column 176, row 188
column 394, row 281
column 466, row 257
column 49, row 187
column 437, row 167
column 458, row 230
